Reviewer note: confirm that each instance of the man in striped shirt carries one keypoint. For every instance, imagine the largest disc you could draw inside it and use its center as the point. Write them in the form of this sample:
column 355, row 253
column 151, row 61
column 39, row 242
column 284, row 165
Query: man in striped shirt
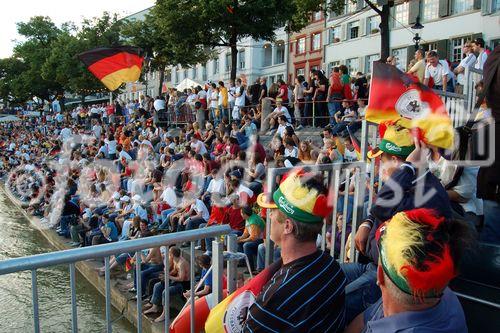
column 306, row 294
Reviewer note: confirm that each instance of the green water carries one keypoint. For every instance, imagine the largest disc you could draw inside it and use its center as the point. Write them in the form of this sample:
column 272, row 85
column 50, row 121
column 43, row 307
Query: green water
column 17, row 239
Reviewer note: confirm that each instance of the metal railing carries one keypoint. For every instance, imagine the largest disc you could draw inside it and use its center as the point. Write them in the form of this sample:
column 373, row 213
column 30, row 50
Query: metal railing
column 352, row 177
column 72, row 256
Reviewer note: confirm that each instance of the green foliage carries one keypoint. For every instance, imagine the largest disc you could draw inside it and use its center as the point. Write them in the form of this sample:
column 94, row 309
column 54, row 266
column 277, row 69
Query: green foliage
column 11, row 85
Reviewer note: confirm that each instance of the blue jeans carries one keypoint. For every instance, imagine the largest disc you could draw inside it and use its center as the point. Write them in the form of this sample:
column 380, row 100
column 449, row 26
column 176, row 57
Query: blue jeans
column 164, row 218
column 261, row 255
column 333, row 108
column 250, row 249
column 148, row 271
column 174, row 288
column 194, row 223
column 361, row 290
column 64, row 224
column 491, row 229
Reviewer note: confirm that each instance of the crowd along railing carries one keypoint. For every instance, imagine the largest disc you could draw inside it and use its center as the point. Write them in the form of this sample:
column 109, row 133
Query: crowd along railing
column 72, row 256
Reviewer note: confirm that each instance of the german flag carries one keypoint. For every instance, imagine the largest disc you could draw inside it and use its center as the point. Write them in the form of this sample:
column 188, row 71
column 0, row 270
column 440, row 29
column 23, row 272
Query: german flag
column 395, row 96
column 115, row 65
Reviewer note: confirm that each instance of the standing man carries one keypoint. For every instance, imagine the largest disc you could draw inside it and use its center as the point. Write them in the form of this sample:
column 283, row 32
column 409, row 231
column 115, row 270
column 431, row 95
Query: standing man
column 263, row 89
column 468, row 61
column 439, row 71
column 419, row 68
column 306, row 293
column 239, row 100
column 478, row 47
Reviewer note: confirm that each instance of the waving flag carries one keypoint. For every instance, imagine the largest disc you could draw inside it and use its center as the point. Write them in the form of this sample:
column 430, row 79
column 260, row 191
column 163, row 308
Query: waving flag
column 230, row 315
column 115, row 65
column 395, row 95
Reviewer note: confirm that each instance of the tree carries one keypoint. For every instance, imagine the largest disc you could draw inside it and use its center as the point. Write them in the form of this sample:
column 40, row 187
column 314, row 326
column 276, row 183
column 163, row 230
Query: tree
column 11, row 87
column 40, row 32
column 194, row 27
column 63, row 66
column 384, row 13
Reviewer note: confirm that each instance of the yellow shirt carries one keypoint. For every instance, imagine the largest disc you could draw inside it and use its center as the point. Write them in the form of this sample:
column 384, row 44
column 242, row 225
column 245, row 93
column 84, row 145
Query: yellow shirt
column 223, row 91
column 419, row 70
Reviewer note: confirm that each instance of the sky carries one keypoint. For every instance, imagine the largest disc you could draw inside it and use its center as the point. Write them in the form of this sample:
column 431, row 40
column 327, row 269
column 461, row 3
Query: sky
column 59, row 11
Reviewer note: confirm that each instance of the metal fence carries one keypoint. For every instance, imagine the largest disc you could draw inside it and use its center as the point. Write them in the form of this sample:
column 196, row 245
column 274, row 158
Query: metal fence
column 70, row 257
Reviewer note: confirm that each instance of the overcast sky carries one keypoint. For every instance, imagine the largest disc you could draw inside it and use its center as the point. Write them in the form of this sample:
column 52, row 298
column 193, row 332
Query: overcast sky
column 60, row 11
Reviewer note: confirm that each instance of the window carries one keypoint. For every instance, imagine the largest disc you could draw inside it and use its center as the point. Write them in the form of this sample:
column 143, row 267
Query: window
column 373, row 24
column 431, row 9
column 351, row 6
column 456, row 49
column 369, row 62
column 331, row 65
column 335, row 35
column 353, row 65
column 242, row 59
column 272, row 79
column 204, row 73
column 279, row 77
column 268, row 55
column 401, row 13
column 280, row 52
column 228, row 62
column 301, row 45
column 316, row 41
column 216, row 66
column 300, row 71
column 401, row 58
column 461, row 6
column 317, row 16
column 430, row 47
column 353, row 29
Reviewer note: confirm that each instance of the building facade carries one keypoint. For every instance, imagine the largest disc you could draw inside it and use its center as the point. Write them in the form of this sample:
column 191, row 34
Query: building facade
column 353, row 38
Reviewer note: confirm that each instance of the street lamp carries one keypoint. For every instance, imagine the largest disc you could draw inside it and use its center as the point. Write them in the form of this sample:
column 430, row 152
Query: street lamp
column 417, row 26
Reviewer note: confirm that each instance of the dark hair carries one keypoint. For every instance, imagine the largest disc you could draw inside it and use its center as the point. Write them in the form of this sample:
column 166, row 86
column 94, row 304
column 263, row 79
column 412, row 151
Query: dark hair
column 479, row 41
column 197, row 105
column 213, row 85
column 221, row 83
column 432, row 54
column 176, row 252
column 343, row 69
column 204, row 260
column 283, row 117
column 336, row 69
column 247, row 210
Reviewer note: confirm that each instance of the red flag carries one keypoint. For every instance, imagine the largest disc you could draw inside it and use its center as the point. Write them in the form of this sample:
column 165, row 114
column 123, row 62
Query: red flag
column 395, row 95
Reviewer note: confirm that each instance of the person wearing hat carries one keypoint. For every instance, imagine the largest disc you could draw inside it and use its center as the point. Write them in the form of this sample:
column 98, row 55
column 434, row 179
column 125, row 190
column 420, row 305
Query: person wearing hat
column 408, row 184
column 419, row 253
column 306, row 292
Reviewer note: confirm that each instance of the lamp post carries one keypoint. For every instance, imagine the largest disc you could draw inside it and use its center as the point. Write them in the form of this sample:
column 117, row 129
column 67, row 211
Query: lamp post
column 417, row 26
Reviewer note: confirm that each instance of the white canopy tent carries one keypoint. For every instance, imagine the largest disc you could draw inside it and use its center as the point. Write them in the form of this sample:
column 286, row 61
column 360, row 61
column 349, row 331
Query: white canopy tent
column 187, row 83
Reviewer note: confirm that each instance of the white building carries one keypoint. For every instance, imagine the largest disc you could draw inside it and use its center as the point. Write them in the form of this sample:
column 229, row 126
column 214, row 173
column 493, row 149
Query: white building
column 353, row 38
column 255, row 59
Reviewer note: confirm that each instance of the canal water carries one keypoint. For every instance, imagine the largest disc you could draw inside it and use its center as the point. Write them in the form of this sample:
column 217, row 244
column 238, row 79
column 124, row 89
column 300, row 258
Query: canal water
column 17, row 239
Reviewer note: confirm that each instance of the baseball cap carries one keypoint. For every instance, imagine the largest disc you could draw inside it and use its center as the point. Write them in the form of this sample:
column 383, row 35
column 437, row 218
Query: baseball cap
column 396, row 140
column 297, row 200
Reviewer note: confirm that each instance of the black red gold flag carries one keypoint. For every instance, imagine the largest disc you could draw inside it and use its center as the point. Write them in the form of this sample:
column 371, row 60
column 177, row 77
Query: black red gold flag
column 114, row 65
column 396, row 96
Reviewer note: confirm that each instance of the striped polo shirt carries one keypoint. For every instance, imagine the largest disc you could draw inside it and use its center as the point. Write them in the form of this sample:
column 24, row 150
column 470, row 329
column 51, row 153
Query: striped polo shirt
column 305, row 295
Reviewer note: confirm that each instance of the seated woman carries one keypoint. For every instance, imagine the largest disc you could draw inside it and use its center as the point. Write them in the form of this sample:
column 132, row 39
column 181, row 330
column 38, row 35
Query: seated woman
column 252, row 236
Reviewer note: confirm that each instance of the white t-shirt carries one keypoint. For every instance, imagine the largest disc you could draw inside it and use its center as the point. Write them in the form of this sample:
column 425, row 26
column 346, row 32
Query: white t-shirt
column 66, row 133
column 159, row 104
column 294, row 152
column 169, row 197
column 216, row 186
column 350, row 156
column 199, row 207
column 213, row 99
column 199, row 147
column 285, row 113
column 481, row 59
column 240, row 100
column 282, row 128
column 97, row 130
column 202, row 94
column 243, row 188
column 230, row 94
column 111, row 146
column 466, row 62
column 437, row 72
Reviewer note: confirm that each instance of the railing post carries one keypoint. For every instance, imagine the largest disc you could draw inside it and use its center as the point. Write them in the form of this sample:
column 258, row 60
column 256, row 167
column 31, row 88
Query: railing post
column 271, row 181
column 109, row 327
column 335, row 196
column 314, row 114
column 34, row 296
column 72, row 284
column 218, row 269
column 192, row 319
column 232, row 265
column 138, row 279
column 344, row 215
column 166, row 301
